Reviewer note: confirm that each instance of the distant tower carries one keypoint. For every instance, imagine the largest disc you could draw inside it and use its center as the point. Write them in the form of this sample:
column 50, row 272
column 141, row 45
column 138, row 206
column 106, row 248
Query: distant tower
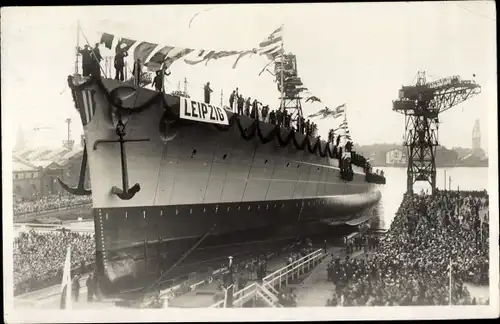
column 68, row 144
column 476, row 136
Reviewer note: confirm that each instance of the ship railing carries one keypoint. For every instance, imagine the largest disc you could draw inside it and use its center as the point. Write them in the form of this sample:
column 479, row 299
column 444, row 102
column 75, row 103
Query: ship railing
column 278, row 278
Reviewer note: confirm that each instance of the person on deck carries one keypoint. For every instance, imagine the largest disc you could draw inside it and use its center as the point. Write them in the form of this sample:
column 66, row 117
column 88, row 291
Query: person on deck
column 265, row 113
column 97, row 53
column 255, row 109
column 158, row 81
column 231, row 100
column 96, row 61
column 241, row 103
column 86, row 60
column 279, row 117
column 120, row 64
column 207, row 91
column 248, row 103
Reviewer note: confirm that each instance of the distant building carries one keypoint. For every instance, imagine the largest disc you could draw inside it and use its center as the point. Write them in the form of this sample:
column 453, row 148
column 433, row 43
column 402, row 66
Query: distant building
column 35, row 170
column 395, row 157
column 26, row 178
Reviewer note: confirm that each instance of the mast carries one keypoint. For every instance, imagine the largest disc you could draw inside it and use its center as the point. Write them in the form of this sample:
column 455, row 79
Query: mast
column 221, row 97
column 163, row 69
column 77, row 45
column 282, row 68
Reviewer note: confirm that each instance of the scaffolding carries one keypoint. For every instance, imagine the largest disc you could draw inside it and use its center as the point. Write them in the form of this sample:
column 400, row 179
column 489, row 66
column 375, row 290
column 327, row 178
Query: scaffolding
column 290, row 86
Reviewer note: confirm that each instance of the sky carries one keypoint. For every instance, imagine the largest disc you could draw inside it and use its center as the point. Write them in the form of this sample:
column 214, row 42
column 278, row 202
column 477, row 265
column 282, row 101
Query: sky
column 354, row 53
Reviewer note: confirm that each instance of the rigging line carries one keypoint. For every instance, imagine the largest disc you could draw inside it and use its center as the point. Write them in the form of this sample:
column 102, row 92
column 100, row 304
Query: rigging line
column 92, row 49
column 248, row 175
column 159, row 171
column 199, row 12
column 475, row 13
column 209, row 177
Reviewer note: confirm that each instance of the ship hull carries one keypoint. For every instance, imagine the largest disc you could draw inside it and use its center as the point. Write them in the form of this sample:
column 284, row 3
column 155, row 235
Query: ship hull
column 198, row 181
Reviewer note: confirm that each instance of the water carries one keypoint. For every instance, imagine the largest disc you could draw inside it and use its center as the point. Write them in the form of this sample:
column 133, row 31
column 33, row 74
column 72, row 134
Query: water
column 392, row 192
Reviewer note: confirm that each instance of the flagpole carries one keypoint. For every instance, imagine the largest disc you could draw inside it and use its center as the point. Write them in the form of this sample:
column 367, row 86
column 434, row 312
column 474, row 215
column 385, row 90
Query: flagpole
column 66, row 283
column 345, row 121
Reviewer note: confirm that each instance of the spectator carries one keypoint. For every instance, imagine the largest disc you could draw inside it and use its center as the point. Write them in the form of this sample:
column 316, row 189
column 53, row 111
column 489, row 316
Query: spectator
column 39, row 257
column 49, row 203
column 411, row 265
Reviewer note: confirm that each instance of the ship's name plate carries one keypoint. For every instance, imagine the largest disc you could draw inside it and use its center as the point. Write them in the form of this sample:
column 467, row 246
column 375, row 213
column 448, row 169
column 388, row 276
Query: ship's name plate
column 202, row 112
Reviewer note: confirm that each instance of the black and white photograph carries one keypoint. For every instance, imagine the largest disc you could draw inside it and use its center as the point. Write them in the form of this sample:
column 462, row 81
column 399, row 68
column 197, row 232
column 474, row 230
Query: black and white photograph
column 317, row 161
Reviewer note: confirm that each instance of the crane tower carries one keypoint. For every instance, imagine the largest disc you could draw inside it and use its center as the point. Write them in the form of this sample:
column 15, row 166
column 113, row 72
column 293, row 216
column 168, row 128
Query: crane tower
column 421, row 104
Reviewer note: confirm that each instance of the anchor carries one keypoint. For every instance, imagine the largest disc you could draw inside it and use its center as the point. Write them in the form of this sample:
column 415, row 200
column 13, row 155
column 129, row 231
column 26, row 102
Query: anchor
column 125, row 193
column 79, row 190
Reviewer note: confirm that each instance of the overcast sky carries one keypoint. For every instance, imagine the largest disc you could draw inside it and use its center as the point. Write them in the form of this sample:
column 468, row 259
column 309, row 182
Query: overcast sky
column 358, row 53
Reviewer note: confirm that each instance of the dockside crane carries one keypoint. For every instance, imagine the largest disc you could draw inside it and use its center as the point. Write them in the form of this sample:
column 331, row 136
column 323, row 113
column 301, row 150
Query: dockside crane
column 421, row 104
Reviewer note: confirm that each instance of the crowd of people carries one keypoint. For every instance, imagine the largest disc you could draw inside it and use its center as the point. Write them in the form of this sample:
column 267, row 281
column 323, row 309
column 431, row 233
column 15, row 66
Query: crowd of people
column 39, row 257
column 257, row 110
column 49, row 203
column 364, row 243
column 433, row 240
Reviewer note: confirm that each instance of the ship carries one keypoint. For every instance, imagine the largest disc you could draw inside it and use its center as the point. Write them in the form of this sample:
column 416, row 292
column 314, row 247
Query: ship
column 179, row 184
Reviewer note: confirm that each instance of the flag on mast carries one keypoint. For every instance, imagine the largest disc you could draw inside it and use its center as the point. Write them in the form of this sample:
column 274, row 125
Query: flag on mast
column 273, row 45
column 66, row 281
